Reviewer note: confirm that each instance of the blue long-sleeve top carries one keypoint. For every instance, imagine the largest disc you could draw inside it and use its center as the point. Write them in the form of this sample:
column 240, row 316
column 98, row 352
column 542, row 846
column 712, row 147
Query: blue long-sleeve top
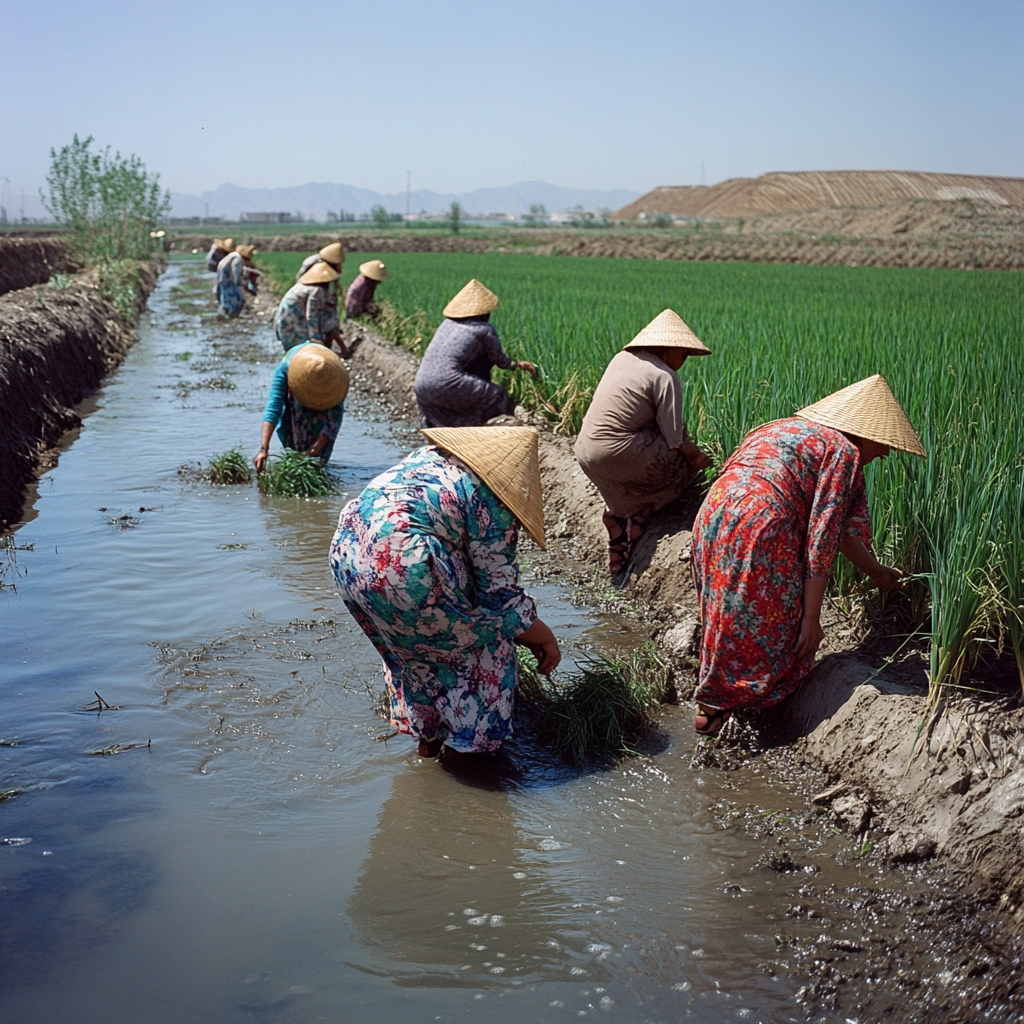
column 297, row 426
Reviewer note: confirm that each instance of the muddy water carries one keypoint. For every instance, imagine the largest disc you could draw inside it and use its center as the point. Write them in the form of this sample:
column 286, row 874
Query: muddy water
column 264, row 853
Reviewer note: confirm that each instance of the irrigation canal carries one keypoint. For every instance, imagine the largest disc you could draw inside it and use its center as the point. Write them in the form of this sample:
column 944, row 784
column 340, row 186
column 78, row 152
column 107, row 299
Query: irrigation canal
column 260, row 856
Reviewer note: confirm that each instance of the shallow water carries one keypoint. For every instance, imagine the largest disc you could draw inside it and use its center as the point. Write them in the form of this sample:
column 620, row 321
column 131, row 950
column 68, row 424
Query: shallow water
column 263, row 855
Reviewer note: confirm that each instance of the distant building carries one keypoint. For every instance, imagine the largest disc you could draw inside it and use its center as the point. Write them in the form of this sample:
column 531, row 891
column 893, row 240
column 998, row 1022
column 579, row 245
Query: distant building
column 269, row 218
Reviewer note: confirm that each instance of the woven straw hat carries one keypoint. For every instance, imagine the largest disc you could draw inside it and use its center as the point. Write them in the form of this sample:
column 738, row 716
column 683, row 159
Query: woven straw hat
column 218, row 243
column 320, row 273
column 867, row 409
column 473, row 300
column 505, row 458
column 229, row 245
column 667, row 330
column 333, row 253
column 374, row 270
column 246, row 251
column 317, row 378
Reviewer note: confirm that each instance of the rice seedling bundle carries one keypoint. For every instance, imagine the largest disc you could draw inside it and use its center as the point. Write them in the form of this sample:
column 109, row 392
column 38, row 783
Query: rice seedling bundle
column 230, row 467
column 294, row 474
column 950, row 344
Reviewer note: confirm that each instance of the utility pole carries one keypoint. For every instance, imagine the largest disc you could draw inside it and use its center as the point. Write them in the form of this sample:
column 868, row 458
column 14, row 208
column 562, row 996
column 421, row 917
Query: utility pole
column 22, row 204
column 408, row 192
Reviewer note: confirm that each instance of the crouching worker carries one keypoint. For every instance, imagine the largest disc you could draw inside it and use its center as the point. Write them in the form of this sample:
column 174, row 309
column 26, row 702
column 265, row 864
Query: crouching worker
column 232, row 278
column 633, row 444
column 333, row 255
column 309, row 309
column 218, row 250
column 306, row 402
column 359, row 297
column 425, row 559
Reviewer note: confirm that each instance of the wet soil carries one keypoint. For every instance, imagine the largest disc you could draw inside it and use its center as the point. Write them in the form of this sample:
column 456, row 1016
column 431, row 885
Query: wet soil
column 28, row 261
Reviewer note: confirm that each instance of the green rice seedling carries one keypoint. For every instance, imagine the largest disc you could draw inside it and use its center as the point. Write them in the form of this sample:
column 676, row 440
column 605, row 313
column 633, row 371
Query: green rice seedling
column 294, row 474
column 230, row 467
column 599, row 712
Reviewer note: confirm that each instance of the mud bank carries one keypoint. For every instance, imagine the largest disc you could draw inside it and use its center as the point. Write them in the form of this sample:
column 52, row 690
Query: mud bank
column 910, row 784
column 28, row 261
column 56, row 346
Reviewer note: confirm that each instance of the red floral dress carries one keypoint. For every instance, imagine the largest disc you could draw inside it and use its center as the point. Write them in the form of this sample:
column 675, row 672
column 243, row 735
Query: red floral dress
column 774, row 517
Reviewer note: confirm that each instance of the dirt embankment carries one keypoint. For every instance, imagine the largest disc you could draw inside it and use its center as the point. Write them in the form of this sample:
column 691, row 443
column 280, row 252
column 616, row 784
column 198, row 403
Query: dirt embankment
column 919, row 233
column 28, row 261
column 56, row 346
column 911, row 784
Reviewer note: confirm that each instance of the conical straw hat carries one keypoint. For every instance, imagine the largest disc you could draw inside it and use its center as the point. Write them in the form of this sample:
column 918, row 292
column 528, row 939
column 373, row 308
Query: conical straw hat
column 218, row 243
column 506, row 460
column 867, row 409
column 473, row 300
column 317, row 377
column 246, row 251
column 374, row 270
column 333, row 253
column 667, row 330
column 229, row 245
column 320, row 273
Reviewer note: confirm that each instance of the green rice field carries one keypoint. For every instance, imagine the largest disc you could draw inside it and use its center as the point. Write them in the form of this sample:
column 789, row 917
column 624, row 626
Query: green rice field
column 950, row 343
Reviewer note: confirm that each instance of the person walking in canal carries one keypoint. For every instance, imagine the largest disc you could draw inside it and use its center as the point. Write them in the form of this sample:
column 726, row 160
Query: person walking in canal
column 309, row 311
column 788, row 500
column 218, row 250
column 633, row 444
column 359, row 295
column 232, row 281
column 426, row 561
column 306, row 403
column 333, row 255
column 453, row 383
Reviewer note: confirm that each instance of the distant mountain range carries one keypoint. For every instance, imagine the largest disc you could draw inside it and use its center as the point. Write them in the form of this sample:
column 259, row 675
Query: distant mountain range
column 315, row 200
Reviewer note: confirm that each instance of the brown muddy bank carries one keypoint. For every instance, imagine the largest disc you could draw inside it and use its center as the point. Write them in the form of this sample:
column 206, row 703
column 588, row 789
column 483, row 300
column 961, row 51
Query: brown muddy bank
column 28, row 261
column 919, row 234
column 56, row 346
column 909, row 784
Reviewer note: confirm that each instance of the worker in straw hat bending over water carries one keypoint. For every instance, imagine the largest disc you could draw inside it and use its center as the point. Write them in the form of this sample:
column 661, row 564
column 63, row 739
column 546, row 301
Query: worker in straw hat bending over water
column 788, row 500
column 309, row 309
column 218, row 250
column 306, row 402
column 333, row 255
column 232, row 280
column 633, row 443
column 426, row 562
column 359, row 295
column 453, row 384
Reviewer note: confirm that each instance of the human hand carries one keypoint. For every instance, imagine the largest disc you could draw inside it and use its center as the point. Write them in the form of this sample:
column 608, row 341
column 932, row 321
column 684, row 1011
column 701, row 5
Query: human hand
column 699, row 461
column 260, row 460
column 810, row 637
column 541, row 643
column 524, row 364
column 887, row 577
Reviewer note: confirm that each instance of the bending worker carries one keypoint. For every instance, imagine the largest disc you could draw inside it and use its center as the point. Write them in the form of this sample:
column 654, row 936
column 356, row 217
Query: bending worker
column 333, row 255
column 425, row 559
column 232, row 277
column 306, row 402
column 453, row 383
column 309, row 311
column 359, row 295
column 218, row 250
column 788, row 500
column 633, row 443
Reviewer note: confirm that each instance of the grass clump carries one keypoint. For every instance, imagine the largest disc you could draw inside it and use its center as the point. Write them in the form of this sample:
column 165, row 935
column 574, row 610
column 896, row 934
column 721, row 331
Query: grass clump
column 599, row 712
column 230, row 467
column 291, row 474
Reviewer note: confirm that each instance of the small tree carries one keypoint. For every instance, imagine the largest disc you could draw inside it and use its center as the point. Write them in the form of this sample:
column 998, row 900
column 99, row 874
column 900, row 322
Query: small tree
column 538, row 215
column 380, row 216
column 108, row 204
column 455, row 217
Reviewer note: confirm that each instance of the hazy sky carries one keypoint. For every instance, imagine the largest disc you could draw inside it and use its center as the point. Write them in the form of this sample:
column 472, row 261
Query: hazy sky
column 585, row 94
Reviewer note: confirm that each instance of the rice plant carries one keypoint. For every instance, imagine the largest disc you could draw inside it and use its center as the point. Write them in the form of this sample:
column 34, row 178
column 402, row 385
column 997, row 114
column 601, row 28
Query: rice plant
column 296, row 475
column 599, row 712
column 230, row 467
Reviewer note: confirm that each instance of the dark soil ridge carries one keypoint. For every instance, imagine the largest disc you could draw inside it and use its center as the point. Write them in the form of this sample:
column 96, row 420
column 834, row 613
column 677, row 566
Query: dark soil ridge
column 28, row 261
column 56, row 346
column 913, row 784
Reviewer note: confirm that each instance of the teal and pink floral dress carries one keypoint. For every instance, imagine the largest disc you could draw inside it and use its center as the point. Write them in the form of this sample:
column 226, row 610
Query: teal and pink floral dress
column 425, row 559
column 775, row 516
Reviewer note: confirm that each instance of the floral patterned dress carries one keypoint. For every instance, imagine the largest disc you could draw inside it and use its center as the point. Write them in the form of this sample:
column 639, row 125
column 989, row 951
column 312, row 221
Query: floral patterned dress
column 307, row 312
column 230, row 281
column 425, row 559
column 775, row 516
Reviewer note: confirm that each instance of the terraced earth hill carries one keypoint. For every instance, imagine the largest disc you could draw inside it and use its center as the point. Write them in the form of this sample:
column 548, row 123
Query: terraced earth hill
column 790, row 191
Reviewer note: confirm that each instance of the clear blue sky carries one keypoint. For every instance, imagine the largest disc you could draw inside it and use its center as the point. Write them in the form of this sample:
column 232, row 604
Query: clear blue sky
column 585, row 94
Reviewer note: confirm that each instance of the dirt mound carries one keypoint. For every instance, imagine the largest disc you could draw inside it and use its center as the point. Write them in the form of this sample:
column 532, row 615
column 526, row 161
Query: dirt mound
column 782, row 191
column 28, row 261
column 56, row 346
